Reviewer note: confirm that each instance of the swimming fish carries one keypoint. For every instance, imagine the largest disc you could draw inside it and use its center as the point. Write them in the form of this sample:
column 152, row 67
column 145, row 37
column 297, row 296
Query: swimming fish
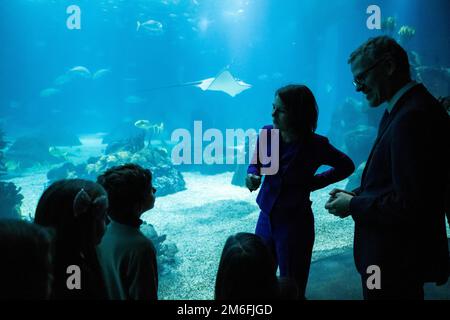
column 152, row 26
column 143, row 124
column 49, row 92
column 100, row 74
column 146, row 125
column 80, row 71
column 58, row 153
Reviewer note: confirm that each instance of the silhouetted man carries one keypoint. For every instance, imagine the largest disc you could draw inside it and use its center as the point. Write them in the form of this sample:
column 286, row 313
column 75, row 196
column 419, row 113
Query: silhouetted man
column 399, row 207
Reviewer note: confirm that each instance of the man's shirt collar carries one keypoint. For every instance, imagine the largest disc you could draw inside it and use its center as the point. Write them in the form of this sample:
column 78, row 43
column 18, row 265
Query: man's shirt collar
column 391, row 103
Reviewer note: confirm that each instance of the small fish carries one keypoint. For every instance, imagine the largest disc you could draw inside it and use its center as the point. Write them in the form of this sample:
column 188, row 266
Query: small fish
column 80, row 71
column 329, row 88
column 146, row 125
column 100, row 74
column 158, row 129
column 150, row 25
column 58, row 153
column 49, row 92
column 143, row 124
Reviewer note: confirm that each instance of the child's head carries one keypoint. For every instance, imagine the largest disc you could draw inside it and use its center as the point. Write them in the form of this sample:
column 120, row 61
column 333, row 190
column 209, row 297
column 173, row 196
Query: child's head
column 301, row 108
column 130, row 191
column 75, row 209
column 247, row 269
column 25, row 270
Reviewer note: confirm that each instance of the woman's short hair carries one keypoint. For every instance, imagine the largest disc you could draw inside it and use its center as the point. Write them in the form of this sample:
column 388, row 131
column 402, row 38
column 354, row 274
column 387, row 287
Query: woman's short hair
column 377, row 48
column 247, row 269
column 26, row 267
column 301, row 106
column 127, row 185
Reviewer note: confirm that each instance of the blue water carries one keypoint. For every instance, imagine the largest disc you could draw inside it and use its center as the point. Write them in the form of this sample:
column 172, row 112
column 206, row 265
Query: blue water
column 265, row 43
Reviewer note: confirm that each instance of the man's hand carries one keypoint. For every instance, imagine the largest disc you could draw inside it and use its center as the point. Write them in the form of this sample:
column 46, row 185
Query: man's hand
column 252, row 182
column 334, row 191
column 339, row 203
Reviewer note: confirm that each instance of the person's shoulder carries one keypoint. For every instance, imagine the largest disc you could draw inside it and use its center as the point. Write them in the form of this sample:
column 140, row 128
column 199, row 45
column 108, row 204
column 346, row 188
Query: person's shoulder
column 319, row 139
column 140, row 248
column 419, row 99
column 421, row 106
column 143, row 241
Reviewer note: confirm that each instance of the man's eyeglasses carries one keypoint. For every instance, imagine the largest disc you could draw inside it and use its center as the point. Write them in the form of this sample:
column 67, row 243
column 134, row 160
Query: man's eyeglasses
column 358, row 81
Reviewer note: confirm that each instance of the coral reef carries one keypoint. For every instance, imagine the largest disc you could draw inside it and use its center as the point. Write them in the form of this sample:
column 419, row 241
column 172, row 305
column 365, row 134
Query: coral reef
column 133, row 144
column 344, row 118
column 10, row 200
column 165, row 250
column 436, row 79
column 166, row 179
column 358, row 143
column 353, row 129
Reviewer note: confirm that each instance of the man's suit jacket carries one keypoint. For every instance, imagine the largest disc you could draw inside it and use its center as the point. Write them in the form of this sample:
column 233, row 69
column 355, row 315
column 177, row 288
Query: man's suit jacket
column 400, row 204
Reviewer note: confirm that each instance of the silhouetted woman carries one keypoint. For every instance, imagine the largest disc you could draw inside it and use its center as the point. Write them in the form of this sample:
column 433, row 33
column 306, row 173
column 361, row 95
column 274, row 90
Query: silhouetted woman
column 286, row 221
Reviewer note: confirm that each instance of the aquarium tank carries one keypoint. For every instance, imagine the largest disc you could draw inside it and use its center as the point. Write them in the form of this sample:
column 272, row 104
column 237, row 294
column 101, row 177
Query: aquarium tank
column 183, row 87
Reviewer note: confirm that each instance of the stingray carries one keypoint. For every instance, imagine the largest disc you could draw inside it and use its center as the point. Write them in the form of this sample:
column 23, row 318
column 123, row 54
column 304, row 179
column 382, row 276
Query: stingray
column 224, row 82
